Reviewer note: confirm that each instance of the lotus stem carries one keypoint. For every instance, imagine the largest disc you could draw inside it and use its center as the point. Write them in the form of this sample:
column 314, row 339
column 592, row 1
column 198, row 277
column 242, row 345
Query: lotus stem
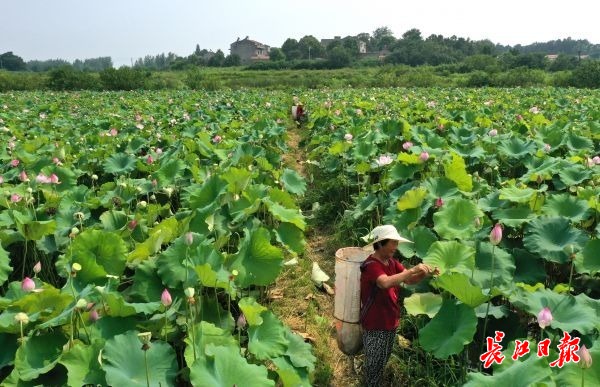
column 571, row 273
column 147, row 371
column 487, row 310
column 582, row 377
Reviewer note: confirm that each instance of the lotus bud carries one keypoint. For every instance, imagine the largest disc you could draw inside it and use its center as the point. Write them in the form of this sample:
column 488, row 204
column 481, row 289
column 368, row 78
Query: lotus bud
column 496, row 234
column 132, row 225
column 348, row 137
column 153, row 197
column 21, row 318
column 28, row 285
column 544, row 318
column 142, row 204
column 407, row 145
column 493, row 133
column 81, row 303
column 424, row 156
column 189, row 238
column 547, row 148
column 23, row 176
column 37, row 268
column 94, row 315
column 189, row 292
column 165, row 298
column 585, row 358
column 439, row 202
column 241, row 321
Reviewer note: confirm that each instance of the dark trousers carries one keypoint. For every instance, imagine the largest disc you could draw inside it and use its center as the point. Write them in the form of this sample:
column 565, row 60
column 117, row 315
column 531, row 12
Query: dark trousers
column 378, row 348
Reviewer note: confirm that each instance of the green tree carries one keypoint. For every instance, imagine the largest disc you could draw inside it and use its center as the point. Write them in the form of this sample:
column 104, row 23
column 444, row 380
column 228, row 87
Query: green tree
column 587, row 74
column 12, row 62
column 276, row 54
column 339, row 57
column 217, row 59
column 291, row 49
column 232, row 60
column 310, row 48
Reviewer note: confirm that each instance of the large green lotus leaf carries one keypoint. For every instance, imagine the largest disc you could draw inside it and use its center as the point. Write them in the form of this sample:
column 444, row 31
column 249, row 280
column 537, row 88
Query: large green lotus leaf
column 108, row 327
column 451, row 256
column 516, row 148
column 517, row 195
column 113, row 220
column 299, row 352
column 423, row 303
column 267, row 340
column 531, row 372
column 204, row 334
column 226, row 367
column 291, row 236
column 283, row 214
column 422, row 238
column 503, row 270
column 212, row 312
column 456, row 171
column 9, row 346
column 491, row 202
column 161, row 234
column 568, row 312
column 5, row 268
column 291, row 376
column 147, row 285
column 411, row 199
column 237, row 179
column 588, row 261
column 206, row 195
column 568, row 206
column 459, row 285
column 496, row 311
column 365, row 205
column 257, row 261
column 81, row 362
column 48, row 303
column 39, row 354
column 513, row 216
column 456, row 219
column 571, row 373
column 543, row 169
column 549, row 237
column 170, row 170
column 448, row 332
column 99, row 253
column 33, row 230
column 440, row 187
column 293, row 182
column 118, row 307
column 119, row 164
column 252, row 310
column 124, row 362
column 577, row 143
column 529, row 268
column 573, row 174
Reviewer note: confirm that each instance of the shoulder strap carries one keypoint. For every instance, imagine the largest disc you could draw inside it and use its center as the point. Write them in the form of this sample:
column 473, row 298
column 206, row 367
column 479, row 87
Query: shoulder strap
column 364, row 308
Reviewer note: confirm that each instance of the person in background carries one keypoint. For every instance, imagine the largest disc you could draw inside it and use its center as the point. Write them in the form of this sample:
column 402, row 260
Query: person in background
column 380, row 281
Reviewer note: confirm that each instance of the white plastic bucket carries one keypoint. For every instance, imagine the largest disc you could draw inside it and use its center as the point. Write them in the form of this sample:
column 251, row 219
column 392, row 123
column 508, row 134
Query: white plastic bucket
column 347, row 298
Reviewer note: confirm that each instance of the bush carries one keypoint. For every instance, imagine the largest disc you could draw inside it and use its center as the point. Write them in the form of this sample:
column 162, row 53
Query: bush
column 587, row 74
column 124, row 78
column 21, row 81
column 67, row 78
column 521, row 76
column 478, row 79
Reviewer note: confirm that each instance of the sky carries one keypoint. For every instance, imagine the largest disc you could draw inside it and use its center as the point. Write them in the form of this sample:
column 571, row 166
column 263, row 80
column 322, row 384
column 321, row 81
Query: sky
column 130, row 29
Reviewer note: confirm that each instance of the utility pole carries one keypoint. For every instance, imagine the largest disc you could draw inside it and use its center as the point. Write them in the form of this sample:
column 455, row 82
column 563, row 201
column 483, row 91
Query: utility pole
column 309, row 52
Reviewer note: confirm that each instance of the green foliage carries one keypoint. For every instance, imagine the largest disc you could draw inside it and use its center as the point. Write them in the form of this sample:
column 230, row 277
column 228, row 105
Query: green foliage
column 124, row 78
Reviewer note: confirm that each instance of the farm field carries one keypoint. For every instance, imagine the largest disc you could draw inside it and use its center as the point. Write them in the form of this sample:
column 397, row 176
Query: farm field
column 167, row 237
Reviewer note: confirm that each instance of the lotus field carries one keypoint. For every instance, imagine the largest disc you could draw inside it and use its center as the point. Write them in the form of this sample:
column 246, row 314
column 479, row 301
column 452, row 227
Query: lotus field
column 141, row 231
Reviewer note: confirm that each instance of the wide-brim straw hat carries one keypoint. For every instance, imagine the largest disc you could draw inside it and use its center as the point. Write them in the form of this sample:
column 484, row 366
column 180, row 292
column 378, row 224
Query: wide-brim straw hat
column 387, row 231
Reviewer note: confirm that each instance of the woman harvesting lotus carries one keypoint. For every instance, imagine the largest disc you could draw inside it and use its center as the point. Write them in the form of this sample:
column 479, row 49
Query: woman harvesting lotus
column 380, row 282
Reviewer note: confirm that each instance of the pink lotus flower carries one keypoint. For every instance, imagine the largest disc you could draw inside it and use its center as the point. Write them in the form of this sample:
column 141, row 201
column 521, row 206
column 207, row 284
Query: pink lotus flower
column 15, row 163
column 113, row 132
column 431, row 104
column 596, row 160
column 407, row 145
column 54, row 179
column 37, row 268
column 149, row 160
column 493, row 133
column 42, row 179
column 544, row 317
column 165, row 298
column 28, row 285
column 519, row 117
column 348, row 137
column 141, row 126
column 534, row 110
column 337, row 112
column 23, row 176
column 241, row 321
column 585, row 358
column 56, row 161
column 439, row 202
column 132, row 224
column 424, row 156
column 15, row 198
column 496, row 234
column 217, row 139
column 383, row 160
column 189, row 238
column 159, row 151
column 359, row 112
column 590, row 162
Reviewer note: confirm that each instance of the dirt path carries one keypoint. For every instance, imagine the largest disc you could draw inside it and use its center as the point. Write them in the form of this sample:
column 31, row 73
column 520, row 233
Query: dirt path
column 305, row 308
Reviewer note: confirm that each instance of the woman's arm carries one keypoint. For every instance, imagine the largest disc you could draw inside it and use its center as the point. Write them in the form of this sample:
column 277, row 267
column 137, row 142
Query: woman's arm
column 410, row 276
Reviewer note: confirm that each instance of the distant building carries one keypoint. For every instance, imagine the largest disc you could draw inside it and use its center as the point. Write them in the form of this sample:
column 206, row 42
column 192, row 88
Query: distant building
column 551, row 56
column 249, row 50
column 362, row 45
